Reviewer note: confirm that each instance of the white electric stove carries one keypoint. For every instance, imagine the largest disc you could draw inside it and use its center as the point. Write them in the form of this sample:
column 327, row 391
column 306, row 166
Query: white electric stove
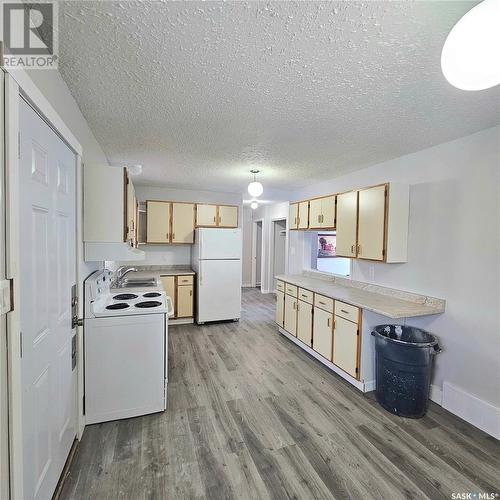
column 126, row 343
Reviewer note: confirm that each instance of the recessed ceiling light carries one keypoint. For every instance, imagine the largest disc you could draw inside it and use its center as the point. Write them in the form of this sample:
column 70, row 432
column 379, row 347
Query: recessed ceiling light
column 254, row 204
column 469, row 59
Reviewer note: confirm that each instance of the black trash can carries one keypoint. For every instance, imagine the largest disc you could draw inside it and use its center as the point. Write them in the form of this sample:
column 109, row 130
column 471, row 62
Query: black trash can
column 404, row 356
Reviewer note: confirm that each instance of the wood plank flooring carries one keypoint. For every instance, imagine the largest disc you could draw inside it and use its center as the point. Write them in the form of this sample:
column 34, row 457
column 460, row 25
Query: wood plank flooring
column 251, row 416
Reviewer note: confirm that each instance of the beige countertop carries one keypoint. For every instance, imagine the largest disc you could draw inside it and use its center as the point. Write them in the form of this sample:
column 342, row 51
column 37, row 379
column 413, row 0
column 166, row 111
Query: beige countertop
column 381, row 300
column 163, row 270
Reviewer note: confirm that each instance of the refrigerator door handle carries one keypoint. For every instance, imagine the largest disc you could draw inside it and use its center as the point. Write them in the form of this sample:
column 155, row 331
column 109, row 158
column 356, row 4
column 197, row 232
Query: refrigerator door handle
column 201, row 275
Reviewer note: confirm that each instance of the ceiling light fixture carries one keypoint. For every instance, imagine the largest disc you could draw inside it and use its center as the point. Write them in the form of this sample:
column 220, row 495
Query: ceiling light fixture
column 469, row 59
column 254, row 204
column 255, row 188
column 134, row 169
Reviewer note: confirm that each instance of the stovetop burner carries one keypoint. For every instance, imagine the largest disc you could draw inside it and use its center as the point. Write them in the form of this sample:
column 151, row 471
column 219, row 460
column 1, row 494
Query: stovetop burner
column 125, row 296
column 148, row 303
column 119, row 305
column 151, row 295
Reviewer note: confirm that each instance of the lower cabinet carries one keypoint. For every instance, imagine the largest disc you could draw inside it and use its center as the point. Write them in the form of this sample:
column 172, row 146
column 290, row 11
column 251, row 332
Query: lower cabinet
column 280, row 308
column 345, row 345
column 304, row 322
column 180, row 290
column 323, row 333
column 290, row 316
column 185, row 301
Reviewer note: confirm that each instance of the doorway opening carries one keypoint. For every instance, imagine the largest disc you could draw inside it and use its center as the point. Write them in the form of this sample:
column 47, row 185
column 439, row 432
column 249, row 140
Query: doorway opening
column 257, row 254
column 278, row 262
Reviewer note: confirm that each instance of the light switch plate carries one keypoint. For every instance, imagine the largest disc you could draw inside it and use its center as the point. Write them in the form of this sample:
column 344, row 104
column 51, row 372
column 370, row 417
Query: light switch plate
column 5, row 304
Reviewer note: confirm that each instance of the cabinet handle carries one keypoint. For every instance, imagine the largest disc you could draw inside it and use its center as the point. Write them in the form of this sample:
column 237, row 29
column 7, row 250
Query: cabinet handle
column 168, row 234
column 215, row 220
column 173, row 236
column 190, row 293
column 322, row 218
column 294, row 305
column 322, row 303
column 344, row 311
column 319, row 218
column 302, row 295
column 359, row 249
column 328, row 322
column 298, row 221
column 352, row 249
column 298, row 306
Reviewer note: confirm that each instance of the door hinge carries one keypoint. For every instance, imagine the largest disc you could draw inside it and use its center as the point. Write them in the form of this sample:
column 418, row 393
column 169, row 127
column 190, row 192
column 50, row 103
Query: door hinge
column 357, row 332
column 83, row 404
column 75, row 320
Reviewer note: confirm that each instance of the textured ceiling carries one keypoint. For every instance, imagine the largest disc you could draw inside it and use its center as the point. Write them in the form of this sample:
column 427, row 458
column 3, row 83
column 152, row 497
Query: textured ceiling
column 201, row 92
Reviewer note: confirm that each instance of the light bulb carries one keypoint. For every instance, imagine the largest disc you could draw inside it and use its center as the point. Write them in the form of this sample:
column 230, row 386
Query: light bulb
column 255, row 189
column 469, row 59
column 134, row 169
column 254, row 204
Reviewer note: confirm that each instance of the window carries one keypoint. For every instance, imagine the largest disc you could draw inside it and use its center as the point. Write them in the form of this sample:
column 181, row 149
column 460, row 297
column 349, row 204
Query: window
column 324, row 258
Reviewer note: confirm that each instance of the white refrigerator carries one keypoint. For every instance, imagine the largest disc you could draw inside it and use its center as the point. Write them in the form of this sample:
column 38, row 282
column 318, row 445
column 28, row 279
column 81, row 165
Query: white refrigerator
column 216, row 258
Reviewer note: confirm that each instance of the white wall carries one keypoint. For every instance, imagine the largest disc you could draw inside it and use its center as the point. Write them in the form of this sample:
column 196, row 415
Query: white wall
column 54, row 88
column 246, row 260
column 168, row 255
column 268, row 213
column 454, row 251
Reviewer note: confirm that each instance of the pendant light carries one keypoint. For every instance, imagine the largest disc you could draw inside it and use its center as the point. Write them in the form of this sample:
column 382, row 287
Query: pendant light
column 254, row 205
column 255, row 188
column 469, row 59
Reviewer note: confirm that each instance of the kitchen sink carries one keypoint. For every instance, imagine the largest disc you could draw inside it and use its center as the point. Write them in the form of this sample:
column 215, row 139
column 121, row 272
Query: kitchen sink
column 138, row 283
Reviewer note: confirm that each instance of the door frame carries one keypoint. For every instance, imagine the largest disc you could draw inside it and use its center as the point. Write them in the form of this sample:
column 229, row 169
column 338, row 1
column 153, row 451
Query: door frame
column 254, row 252
column 18, row 85
column 271, row 251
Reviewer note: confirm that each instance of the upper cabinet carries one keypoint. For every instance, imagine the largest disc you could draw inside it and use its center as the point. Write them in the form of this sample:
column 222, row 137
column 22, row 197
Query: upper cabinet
column 299, row 215
column 169, row 222
column 216, row 215
column 157, row 221
column 322, row 213
column 183, row 222
column 371, row 223
column 109, row 214
column 228, row 216
column 347, row 214
column 206, row 215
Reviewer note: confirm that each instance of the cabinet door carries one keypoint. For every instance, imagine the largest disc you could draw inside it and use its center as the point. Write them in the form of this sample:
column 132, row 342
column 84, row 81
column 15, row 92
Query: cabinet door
column 315, row 213
column 228, row 216
column 280, row 308
column 345, row 345
column 168, row 283
column 304, row 322
column 130, row 209
column 182, row 223
column 185, row 301
column 328, row 211
column 293, row 216
column 290, row 321
column 322, row 333
column 303, row 215
column 158, row 222
column 206, row 215
column 371, row 223
column 347, row 214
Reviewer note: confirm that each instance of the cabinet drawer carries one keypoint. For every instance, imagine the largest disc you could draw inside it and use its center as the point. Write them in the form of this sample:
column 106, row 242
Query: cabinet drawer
column 346, row 311
column 291, row 290
column 280, row 286
column 325, row 303
column 185, row 280
column 306, row 295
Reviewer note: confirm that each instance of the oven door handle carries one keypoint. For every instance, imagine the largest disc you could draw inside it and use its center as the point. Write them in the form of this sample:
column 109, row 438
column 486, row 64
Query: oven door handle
column 170, row 307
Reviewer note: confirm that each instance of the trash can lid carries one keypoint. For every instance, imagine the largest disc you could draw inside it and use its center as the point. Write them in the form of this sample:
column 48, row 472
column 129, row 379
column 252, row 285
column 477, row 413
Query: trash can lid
column 406, row 335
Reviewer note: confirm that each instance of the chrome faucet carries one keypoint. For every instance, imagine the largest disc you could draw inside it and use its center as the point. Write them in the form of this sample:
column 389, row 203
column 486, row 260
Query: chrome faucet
column 122, row 271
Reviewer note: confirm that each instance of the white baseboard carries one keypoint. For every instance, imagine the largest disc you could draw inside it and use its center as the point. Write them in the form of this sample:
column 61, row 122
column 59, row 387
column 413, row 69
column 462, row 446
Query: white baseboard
column 477, row 412
column 436, row 395
column 247, row 285
column 370, row 385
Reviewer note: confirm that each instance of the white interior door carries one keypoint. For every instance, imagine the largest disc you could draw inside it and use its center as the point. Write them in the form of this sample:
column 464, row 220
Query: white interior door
column 47, row 272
